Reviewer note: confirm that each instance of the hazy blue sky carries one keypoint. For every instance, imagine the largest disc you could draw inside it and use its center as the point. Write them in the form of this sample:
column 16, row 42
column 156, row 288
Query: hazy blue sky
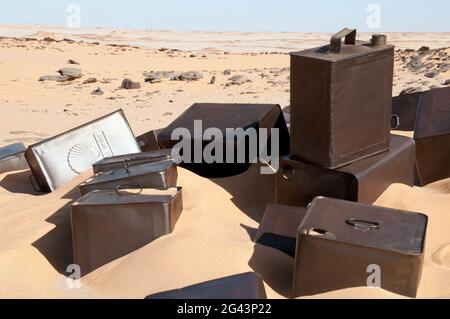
column 239, row 15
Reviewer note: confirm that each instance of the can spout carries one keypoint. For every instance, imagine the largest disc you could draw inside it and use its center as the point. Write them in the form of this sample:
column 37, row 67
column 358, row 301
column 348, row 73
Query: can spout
column 378, row 40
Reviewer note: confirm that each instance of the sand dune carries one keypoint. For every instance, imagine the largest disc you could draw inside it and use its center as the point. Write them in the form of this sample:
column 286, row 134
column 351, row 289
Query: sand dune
column 212, row 239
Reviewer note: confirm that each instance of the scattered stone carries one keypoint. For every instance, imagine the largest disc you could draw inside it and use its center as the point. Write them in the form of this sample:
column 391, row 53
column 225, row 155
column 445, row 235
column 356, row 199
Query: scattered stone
column 226, row 72
column 213, row 80
column 163, row 49
column 57, row 78
column 423, row 49
column 189, row 76
column 238, row 80
column 106, row 81
column 68, row 40
column 128, row 84
column 410, row 90
column 193, row 56
column 158, row 76
column 168, row 114
column 71, row 73
column 97, row 91
column 431, row 74
column 444, row 67
column 90, row 80
column 48, row 39
column 446, row 82
column 70, row 61
column 415, row 64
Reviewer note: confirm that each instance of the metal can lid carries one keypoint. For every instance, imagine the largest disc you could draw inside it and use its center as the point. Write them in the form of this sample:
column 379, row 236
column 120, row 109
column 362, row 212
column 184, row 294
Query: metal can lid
column 379, row 40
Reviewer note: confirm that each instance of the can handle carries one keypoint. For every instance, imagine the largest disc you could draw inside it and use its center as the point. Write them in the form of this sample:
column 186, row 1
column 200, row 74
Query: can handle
column 36, row 187
column 362, row 225
column 119, row 188
column 395, row 121
column 336, row 39
column 287, row 173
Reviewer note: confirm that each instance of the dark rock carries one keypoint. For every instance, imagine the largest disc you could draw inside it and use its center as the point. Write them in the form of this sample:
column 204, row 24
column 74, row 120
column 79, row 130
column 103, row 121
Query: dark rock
column 446, row 82
column 71, row 73
column 226, row 72
column 423, row 49
column 90, row 80
column 213, row 80
column 48, row 39
column 415, row 64
column 410, row 90
column 158, row 76
column 57, row 78
column 431, row 74
column 70, row 61
column 97, row 91
column 190, row 76
column 444, row 67
column 238, row 80
column 128, row 84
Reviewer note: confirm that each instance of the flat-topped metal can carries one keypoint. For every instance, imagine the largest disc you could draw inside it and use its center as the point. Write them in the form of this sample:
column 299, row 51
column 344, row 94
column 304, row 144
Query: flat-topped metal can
column 122, row 161
column 237, row 287
column 12, row 158
column 58, row 160
column 342, row 244
column 428, row 115
column 108, row 224
column 363, row 181
column 161, row 174
column 341, row 98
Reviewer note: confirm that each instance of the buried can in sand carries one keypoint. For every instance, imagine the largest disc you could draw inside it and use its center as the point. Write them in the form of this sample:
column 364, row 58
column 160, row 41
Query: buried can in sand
column 428, row 115
column 59, row 159
column 120, row 221
column 340, row 243
column 243, row 286
column 12, row 158
column 233, row 132
column 160, row 174
column 122, row 161
column 363, row 181
column 149, row 141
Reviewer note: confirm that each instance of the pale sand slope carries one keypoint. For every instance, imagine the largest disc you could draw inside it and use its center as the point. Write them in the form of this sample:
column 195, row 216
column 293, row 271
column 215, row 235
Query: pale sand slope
column 212, row 239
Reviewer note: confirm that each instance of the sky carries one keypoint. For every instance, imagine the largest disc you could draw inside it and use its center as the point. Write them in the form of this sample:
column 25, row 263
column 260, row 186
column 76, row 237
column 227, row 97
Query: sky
column 235, row 15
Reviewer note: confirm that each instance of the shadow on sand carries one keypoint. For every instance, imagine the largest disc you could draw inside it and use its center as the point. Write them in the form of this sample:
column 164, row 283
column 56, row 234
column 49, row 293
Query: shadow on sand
column 19, row 183
column 251, row 191
column 56, row 245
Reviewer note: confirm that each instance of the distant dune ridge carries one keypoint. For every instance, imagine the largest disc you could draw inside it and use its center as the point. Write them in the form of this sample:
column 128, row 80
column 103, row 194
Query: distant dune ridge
column 53, row 79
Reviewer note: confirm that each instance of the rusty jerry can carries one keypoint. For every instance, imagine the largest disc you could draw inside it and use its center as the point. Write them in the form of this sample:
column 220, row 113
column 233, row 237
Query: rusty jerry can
column 428, row 115
column 340, row 244
column 108, row 224
column 341, row 98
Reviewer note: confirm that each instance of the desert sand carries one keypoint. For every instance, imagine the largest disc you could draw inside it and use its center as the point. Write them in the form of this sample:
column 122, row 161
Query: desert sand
column 213, row 238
